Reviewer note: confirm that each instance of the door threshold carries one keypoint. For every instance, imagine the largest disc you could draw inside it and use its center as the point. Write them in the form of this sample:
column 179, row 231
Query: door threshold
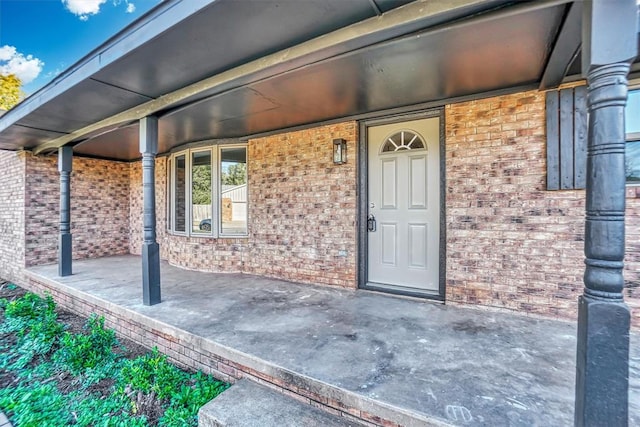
column 404, row 291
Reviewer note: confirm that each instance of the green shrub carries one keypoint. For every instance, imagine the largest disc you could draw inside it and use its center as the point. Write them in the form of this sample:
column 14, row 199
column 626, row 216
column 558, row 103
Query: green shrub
column 34, row 404
column 27, row 311
column 181, row 393
column 35, row 322
column 197, row 391
column 29, row 306
column 178, row 417
column 93, row 410
column 44, row 333
column 104, row 370
column 151, row 373
column 43, row 349
column 189, row 397
column 79, row 352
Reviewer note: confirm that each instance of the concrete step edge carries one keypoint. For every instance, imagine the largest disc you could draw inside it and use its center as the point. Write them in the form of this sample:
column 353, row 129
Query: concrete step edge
column 247, row 403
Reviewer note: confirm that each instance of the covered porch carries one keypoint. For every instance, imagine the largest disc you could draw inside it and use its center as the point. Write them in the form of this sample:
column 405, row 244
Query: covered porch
column 389, row 361
column 358, row 354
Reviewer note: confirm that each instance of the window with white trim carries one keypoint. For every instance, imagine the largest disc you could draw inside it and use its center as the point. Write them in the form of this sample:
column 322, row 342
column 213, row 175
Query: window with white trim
column 208, row 191
column 632, row 124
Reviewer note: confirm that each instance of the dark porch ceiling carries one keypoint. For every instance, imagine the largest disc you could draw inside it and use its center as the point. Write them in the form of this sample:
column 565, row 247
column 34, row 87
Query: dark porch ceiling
column 471, row 47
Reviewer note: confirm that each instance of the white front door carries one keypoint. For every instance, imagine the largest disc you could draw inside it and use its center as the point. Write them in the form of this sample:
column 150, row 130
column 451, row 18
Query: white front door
column 404, row 205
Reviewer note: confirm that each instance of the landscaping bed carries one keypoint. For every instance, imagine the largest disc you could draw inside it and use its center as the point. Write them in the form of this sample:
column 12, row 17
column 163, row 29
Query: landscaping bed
column 59, row 369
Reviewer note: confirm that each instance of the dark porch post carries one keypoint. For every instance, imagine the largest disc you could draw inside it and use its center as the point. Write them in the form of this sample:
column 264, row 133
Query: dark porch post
column 65, row 160
column 602, row 372
column 150, row 248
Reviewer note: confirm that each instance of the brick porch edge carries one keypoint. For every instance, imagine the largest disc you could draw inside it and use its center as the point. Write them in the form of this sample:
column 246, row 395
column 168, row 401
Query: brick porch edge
column 224, row 363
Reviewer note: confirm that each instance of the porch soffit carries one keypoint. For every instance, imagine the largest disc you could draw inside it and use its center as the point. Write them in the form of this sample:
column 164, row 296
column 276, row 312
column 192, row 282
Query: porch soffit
column 149, row 58
column 406, row 56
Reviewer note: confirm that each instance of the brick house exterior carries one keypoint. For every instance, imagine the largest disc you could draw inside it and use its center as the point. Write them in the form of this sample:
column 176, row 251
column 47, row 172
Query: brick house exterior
column 155, row 125
column 511, row 244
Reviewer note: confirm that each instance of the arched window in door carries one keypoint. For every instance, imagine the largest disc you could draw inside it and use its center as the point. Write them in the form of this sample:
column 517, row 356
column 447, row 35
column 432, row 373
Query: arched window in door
column 403, row 140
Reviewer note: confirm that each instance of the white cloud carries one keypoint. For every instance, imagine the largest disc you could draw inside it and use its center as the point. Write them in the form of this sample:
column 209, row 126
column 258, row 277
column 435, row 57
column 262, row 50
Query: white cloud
column 27, row 68
column 132, row 7
column 83, row 8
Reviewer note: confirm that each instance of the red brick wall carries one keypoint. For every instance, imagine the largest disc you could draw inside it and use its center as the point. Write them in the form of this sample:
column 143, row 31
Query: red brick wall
column 632, row 257
column 510, row 243
column 302, row 207
column 12, row 167
column 99, row 209
column 302, row 213
column 206, row 254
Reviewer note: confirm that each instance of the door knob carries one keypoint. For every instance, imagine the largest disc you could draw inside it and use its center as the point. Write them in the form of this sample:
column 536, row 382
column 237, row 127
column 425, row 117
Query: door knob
column 371, row 223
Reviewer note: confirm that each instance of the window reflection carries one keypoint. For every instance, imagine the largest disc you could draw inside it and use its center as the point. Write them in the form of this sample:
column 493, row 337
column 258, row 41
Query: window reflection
column 180, row 191
column 632, row 112
column 632, row 162
column 632, row 124
column 169, row 192
column 201, row 192
column 233, row 190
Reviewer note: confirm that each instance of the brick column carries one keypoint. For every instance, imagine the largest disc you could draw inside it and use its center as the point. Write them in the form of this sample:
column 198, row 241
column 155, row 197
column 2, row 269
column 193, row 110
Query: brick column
column 150, row 248
column 65, row 159
column 602, row 365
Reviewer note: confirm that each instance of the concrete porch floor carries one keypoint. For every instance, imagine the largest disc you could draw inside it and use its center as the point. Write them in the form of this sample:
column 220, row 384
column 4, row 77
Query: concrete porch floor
column 406, row 360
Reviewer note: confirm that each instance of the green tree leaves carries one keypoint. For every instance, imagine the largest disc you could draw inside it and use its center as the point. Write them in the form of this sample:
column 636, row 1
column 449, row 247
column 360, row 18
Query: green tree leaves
column 201, row 185
column 235, row 174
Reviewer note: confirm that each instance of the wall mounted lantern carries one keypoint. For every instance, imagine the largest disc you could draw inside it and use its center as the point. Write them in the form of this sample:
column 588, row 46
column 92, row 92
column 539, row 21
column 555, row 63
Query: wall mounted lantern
column 339, row 151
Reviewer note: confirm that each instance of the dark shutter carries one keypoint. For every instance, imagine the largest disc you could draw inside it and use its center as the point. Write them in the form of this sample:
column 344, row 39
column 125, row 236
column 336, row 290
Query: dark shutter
column 553, row 140
column 566, row 138
column 580, row 136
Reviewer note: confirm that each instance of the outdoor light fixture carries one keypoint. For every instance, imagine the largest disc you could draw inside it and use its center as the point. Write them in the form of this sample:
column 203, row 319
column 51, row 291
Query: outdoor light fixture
column 339, row 151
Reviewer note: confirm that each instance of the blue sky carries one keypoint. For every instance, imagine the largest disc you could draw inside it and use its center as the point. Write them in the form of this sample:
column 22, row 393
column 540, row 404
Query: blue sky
column 41, row 38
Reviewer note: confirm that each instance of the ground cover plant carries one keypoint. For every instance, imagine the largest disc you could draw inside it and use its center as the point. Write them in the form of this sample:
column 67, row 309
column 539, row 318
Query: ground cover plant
column 57, row 369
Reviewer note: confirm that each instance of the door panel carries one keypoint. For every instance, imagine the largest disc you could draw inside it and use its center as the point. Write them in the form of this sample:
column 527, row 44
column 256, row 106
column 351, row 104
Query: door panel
column 418, row 183
column 389, row 244
column 418, row 246
column 389, row 184
column 404, row 194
